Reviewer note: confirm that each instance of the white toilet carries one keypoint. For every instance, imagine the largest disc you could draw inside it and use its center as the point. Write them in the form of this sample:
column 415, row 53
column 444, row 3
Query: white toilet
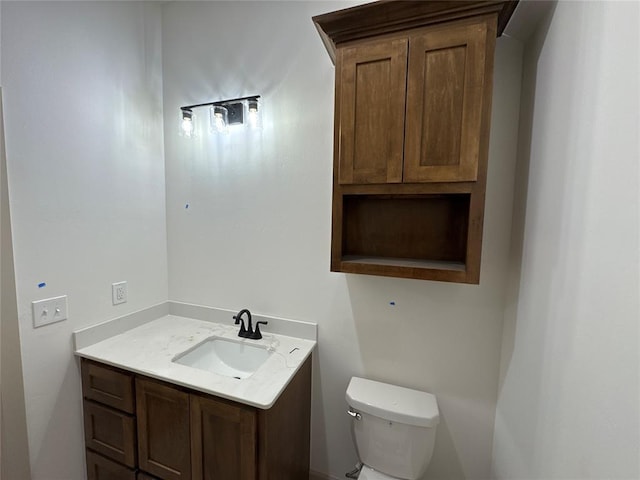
column 394, row 429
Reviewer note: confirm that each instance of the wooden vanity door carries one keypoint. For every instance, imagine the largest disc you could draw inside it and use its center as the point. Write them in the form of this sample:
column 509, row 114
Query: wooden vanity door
column 163, row 430
column 223, row 440
column 449, row 86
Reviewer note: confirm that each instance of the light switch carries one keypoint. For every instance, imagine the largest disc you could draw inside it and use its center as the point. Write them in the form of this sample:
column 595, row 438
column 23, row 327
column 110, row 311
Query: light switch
column 49, row 310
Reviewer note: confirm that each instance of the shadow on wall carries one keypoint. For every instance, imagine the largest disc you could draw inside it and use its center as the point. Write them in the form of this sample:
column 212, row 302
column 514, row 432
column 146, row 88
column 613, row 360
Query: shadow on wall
column 406, row 332
column 444, row 338
column 547, row 266
column 66, row 419
column 318, row 431
column 15, row 447
column 527, row 99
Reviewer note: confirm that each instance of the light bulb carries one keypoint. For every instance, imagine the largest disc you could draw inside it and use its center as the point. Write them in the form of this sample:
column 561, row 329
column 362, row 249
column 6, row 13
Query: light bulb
column 254, row 114
column 219, row 119
column 186, row 126
column 219, row 122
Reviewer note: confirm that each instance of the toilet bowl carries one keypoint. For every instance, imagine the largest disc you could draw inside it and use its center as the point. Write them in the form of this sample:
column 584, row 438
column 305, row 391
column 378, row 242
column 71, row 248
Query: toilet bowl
column 393, row 429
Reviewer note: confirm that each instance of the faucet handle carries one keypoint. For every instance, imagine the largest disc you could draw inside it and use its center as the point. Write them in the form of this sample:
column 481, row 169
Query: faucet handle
column 257, row 335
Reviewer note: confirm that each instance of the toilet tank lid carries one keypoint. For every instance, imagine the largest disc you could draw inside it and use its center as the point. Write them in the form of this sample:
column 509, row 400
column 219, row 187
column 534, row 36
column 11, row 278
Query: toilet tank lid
column 393, row 403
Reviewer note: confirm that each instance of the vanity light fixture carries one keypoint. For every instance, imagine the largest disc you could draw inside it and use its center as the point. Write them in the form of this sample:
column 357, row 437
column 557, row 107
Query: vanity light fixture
column 223, row 114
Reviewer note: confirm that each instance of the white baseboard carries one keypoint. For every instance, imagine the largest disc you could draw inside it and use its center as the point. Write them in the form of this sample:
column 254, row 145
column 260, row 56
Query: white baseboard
column 321, row 476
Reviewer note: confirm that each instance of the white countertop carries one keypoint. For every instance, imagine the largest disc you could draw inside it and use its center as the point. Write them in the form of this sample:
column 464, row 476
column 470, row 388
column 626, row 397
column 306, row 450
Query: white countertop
column 149, row 349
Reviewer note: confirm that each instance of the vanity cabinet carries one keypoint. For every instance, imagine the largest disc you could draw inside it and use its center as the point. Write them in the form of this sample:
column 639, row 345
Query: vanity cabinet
column 170, row 432
column 413, row 95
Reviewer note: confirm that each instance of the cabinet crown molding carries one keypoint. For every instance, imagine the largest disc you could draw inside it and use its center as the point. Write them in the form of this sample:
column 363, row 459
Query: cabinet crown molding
column 390, row 16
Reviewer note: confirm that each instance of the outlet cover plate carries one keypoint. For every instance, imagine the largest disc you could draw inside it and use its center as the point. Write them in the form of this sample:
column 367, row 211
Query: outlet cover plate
column 119, row 292
column 49, row 310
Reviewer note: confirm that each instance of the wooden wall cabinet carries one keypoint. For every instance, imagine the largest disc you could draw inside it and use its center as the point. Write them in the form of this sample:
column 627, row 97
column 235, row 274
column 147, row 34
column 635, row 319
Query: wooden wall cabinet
column 412, row 111
column 174, row 433
column 411, row 107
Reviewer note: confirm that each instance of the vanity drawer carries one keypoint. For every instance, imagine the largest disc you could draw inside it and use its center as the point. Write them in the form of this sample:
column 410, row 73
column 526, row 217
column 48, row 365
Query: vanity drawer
column 101, row 468
column 110, row 432
column 108, row 386
column 145, row 476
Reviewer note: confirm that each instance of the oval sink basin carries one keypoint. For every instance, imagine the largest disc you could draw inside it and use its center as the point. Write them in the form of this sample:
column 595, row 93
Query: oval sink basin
column 225, row 357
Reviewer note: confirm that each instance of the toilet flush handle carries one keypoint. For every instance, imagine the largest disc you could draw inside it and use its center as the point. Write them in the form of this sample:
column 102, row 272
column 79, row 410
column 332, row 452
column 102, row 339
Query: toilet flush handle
column 354, row 414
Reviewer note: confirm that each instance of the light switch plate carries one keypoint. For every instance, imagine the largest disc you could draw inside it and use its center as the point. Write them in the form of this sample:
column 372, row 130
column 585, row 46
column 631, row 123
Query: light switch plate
column 49, row 310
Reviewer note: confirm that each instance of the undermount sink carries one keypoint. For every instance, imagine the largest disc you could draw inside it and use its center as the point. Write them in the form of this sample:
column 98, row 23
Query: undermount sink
column 225, row 357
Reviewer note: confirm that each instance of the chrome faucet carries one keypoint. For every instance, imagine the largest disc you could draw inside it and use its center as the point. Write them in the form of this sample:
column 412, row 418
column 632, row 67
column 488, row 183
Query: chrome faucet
column 248, row 332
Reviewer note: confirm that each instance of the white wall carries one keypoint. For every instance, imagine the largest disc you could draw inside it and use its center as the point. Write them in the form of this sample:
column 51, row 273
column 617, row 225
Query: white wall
column 83, row 115
column 256, row 232
column 3, row 188
column 569, row 396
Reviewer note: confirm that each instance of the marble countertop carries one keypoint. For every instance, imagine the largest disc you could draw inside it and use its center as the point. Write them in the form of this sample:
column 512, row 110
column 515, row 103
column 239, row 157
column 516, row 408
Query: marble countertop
column 149, row 349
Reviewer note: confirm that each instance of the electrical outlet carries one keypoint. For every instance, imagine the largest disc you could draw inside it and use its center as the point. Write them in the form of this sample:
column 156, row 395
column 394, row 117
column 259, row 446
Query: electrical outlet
column 119, row 292
column 49, row 310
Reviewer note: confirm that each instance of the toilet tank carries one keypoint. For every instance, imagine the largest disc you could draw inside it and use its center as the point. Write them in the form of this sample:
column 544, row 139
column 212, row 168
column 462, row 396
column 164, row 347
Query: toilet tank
column 393, row 428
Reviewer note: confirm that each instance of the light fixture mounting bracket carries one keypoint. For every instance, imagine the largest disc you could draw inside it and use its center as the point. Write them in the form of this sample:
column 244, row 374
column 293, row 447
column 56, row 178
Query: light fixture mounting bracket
column 235, row 113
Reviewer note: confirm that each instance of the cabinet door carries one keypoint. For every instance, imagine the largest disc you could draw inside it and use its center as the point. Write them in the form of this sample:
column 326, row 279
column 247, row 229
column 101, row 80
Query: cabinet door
column 163, row 430
column 370, row 101
column 449, row 101
column 223, row 440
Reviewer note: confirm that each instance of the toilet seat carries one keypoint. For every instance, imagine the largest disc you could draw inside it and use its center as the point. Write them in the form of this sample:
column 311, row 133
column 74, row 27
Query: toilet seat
column 368, row 473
